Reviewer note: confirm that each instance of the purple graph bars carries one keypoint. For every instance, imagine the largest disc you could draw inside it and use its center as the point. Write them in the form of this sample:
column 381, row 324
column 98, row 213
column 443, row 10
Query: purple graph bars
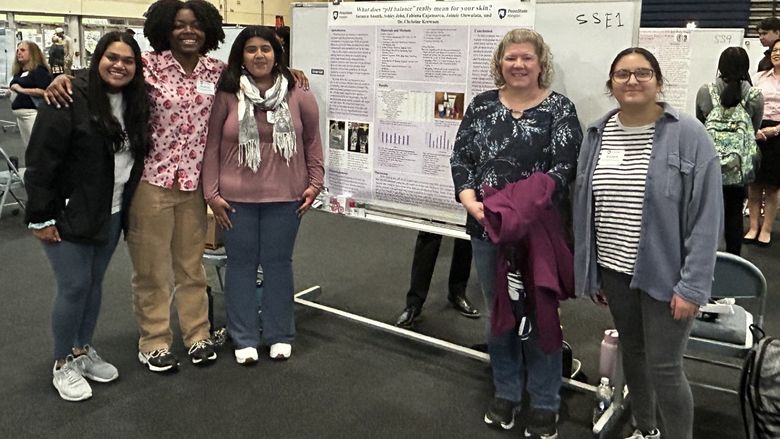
column 393, row 138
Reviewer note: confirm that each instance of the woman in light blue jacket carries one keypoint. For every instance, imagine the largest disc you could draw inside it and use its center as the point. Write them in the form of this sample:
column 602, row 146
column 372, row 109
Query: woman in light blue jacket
column 648, row 213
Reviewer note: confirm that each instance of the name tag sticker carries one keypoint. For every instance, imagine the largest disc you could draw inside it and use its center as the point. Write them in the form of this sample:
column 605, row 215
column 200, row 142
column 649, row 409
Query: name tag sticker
column 206, row 88
column 611, row 157
column 24, row 74
column 270, row 116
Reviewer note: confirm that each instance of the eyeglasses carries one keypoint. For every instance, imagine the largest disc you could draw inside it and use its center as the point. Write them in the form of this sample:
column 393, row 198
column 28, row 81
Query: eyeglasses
column 641, row 75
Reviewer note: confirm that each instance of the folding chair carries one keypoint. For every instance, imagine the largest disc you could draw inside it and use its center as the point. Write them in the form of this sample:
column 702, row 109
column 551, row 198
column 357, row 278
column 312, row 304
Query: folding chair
column 8, row 126
column 11, row 179
column 726, row 341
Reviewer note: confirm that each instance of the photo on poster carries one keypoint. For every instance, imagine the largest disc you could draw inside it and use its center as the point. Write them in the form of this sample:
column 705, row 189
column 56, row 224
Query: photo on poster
column 448, row 105
column 358, row 137
column 336, row 136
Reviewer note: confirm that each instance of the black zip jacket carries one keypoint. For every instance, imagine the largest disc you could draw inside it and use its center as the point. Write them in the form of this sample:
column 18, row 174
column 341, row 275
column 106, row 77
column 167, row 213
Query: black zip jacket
column 70, row 172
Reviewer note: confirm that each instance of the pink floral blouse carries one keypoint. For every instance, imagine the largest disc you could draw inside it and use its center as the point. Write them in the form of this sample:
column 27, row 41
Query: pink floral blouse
column 179, row 115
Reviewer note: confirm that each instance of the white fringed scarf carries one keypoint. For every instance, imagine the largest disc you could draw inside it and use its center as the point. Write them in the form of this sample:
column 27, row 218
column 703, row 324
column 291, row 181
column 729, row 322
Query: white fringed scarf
column 275, row 102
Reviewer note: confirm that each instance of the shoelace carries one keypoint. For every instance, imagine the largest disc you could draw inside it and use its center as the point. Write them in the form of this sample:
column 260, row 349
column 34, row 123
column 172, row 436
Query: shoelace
column 159, row 353
column 92, row 355
column 71, row 374
column 198, row 345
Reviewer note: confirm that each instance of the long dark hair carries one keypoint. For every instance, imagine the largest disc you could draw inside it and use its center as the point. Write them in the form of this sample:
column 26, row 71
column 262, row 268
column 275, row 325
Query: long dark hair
column 733, row 66
column 229, row 81
column 136, row 115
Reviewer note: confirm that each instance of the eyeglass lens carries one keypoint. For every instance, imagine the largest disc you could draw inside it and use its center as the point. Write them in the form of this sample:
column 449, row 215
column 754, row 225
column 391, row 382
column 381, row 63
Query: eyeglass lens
column 640, row 75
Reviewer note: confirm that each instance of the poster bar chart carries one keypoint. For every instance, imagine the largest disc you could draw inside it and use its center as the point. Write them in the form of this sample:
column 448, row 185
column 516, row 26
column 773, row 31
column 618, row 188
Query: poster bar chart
column 393, row 138
column 439, row 142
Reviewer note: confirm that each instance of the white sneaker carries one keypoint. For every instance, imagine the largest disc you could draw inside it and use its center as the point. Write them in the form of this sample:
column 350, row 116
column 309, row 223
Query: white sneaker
column 280, row 351
column 637, row 434
column 69, row 382
column 246, row 355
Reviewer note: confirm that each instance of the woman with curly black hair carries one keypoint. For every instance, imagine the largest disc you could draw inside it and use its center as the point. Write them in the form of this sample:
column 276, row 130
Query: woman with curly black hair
column 161, row 21
column 168, row 215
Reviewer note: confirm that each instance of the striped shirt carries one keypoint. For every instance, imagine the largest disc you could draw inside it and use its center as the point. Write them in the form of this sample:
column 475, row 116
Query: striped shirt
column 619, row 191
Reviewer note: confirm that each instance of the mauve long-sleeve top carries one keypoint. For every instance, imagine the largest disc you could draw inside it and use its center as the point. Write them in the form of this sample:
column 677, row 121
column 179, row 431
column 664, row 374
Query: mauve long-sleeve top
column 275, row 180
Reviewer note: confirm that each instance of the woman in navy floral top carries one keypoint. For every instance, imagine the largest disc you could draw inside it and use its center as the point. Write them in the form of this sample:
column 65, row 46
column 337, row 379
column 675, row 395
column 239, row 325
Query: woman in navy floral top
column 506, row 135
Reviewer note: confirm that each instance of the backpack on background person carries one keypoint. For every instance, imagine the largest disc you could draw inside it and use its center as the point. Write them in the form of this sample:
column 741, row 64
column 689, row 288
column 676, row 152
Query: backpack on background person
column 759, row 387
column 732, row 132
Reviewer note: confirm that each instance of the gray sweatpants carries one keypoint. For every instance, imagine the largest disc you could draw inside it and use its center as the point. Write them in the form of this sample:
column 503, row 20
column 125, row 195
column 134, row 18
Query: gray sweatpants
column 652, row 344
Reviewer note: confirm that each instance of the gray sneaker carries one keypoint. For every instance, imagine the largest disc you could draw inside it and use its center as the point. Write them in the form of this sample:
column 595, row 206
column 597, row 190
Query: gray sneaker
column 69, row 382
column 95, row 368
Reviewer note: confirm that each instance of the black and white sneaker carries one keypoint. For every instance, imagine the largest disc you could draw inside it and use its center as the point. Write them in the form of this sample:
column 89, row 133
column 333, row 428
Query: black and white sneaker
column 159, row 360
column 639, row 434
column 501, row 413
column 202, row 352
column 542, row 425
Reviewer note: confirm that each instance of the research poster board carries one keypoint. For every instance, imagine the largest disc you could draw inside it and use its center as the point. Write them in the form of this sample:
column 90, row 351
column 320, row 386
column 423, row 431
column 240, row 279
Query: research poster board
column 397, row 77
column 755, row 51
column 688, row 59
column 584, row 38
column 7, row 56
column 400, row 77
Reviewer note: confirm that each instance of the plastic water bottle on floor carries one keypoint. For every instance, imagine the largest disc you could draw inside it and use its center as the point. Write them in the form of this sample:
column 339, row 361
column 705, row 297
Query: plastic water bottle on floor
column 608, row 354
column 603, row 399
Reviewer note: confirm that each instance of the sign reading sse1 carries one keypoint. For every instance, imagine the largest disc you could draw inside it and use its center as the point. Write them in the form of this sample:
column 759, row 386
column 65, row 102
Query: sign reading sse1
column 606, row 19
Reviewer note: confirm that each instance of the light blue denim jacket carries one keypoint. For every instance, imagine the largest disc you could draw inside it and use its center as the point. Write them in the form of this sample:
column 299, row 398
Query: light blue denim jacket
column 682, row 216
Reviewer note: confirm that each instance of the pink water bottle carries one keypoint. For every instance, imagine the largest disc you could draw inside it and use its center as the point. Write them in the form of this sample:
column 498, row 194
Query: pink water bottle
column 609, row 354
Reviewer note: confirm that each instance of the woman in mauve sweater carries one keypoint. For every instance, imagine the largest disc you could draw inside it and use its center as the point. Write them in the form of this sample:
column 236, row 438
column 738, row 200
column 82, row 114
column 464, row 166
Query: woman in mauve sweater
column 262, row 170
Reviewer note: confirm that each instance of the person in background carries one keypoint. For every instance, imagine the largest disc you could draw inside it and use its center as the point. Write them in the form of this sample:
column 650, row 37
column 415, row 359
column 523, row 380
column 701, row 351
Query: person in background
column 506, row 135
column 56, row 56
column 67, row 43
column 768, row 173
column 649, row 210
column 426, row 249
column 83, row 164
column 733, row 87
column 262, row 169
column 768, row 31
column 31, row 76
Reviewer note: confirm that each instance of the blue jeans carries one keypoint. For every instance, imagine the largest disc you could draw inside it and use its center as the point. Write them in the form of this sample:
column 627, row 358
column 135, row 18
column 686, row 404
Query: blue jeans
column 263, row 234
column 79, row 270
column 516, row 362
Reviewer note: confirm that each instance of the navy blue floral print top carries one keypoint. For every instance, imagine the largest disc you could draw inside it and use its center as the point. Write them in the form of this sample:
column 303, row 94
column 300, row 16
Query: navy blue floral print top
column 494, row 149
